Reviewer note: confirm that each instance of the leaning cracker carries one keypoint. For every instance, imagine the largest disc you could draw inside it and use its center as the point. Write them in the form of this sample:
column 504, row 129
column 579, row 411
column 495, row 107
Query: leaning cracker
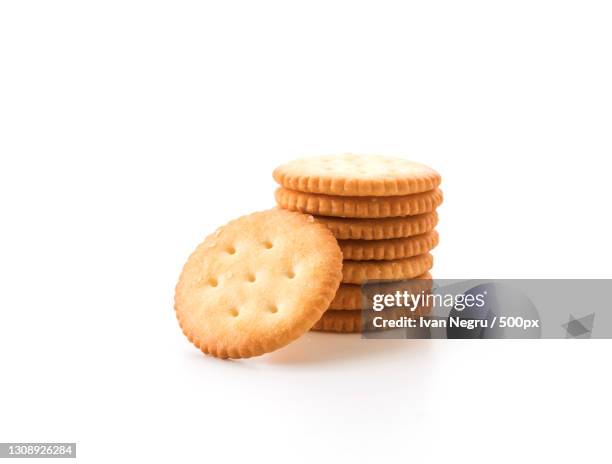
column 379, row 229
column 362, row 250
column 355, row 297
column 357, row 175
column 359, row 272
column 359, row 207
column 257, row 284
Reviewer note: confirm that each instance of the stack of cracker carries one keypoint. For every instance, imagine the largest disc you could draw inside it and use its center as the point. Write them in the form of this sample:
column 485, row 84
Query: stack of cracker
column 382, row 210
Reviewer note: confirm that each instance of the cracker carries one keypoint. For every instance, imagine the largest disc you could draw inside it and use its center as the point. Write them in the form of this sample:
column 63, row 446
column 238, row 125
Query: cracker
column 357, row 175
column 257, row 284
column 339, row 321
column 359, row 207
column 360, row 321
column 359, row 272
column 362, row 250
column 353, row 297
column 379, row 229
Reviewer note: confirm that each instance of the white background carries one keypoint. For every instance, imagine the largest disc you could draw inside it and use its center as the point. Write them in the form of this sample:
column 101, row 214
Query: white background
column 131, row 130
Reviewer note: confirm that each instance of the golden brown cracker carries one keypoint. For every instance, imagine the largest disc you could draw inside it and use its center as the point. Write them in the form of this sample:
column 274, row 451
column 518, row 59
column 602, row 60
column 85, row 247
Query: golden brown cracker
column 365, row 250
column 363, row 321
column 359, row 207
column 359, row 272
column 357, row 175
column 379, row 229
column 257, row 284
column 356, row 297
column 339, row 321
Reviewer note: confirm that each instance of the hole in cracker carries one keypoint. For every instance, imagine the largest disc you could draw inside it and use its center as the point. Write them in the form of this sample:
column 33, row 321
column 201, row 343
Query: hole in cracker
column 234, row 312
column 213, row 282
column 268, row 244
column 251, row 277
column 273, row 309
column 230, row 250
column 291, row 273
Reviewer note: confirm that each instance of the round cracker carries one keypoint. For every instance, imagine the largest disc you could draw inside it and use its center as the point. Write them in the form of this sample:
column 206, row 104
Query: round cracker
column 359, row 207
column 257, row 284
column 339, row 321
column 359, row 272
column 379, row 229
column 355, row 297
column 357, row 175
column 362, row 321
column 365, row 250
